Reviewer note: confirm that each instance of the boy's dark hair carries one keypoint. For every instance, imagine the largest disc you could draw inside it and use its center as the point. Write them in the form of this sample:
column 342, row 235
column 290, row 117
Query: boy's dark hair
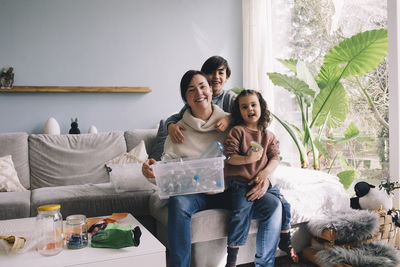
column 265, row 117
column 213, row 63
column 186, row 78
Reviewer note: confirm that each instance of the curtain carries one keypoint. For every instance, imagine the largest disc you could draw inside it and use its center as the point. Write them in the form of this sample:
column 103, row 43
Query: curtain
column 257, row 48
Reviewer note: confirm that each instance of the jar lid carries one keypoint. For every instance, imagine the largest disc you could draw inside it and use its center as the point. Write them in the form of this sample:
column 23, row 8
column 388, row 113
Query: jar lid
column 49, row 207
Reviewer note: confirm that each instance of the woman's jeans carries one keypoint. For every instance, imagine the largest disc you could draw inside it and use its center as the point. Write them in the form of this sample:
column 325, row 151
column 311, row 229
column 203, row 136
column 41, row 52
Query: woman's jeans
column 181, row 208
column 268, row 210
column 180, row 211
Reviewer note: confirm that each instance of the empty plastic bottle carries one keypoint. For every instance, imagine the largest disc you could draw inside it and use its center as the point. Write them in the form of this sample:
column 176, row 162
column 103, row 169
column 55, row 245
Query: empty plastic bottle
column 214, row 150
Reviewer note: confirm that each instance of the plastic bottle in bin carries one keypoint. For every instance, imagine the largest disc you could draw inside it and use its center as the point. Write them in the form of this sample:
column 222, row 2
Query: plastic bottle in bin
column 214, row 150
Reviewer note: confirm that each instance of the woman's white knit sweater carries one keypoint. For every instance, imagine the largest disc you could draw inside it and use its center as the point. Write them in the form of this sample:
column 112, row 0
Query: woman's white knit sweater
column 199, row 134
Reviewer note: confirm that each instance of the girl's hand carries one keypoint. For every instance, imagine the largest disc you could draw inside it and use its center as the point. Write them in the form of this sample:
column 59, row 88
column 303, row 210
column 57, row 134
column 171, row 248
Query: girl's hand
column 258, row 191
column 147, row 170
column 254, row 156
column 223, row 124
column 175, row 132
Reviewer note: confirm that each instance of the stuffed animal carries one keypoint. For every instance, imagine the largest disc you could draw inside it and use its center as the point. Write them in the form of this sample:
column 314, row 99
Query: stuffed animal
column 368, row 197
column 74, row 127
column 7, row 78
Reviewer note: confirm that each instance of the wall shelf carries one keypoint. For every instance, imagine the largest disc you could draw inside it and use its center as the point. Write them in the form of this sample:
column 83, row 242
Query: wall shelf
column 76, row 89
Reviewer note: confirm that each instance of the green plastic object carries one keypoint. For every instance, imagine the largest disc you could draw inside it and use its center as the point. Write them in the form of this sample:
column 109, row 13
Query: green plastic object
column 117, row 236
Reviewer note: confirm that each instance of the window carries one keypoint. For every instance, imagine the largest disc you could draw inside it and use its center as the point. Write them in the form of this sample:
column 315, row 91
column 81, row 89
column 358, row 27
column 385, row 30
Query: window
column 306, row 30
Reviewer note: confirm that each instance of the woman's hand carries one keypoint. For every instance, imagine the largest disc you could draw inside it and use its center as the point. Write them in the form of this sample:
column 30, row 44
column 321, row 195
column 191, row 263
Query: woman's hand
column 258, row 191
column 175, row 132
column 223, row 124
column 147, row 170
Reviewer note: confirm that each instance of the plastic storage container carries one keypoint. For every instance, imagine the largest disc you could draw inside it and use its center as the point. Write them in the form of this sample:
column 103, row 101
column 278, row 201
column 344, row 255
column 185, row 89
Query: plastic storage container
column 76, row 231
column 49, row 227
column 189, row 176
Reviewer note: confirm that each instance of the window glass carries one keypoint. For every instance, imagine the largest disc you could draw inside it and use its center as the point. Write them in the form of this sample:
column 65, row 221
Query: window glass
column 306, row 30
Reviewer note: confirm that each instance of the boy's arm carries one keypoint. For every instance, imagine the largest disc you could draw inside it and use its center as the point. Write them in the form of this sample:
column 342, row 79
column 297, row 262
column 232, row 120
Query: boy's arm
column 174, row 129
column 176, row 117
column 223, row 124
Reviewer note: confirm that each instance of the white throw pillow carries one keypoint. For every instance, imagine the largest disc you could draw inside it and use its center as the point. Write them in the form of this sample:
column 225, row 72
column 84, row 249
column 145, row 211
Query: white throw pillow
column 9, row 180
column 125, row 171
column 137, row 154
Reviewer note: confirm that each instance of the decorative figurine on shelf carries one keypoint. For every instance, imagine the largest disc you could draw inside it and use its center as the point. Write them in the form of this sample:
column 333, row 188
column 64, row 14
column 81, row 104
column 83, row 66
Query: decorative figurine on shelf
column 74, row 127
column 7, row 78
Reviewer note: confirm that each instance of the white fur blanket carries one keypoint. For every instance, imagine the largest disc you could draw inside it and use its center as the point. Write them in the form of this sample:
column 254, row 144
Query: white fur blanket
column 310, row 193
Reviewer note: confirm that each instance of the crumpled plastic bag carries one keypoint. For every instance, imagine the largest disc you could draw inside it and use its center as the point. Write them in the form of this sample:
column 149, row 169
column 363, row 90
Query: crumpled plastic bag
column 117, row 236
column 12, row 243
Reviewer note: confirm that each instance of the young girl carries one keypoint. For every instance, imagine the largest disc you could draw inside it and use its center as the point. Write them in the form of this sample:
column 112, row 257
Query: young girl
column 247, row 166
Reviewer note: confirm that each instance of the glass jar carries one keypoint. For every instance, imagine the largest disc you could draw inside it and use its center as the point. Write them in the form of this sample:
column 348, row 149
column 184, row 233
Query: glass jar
column 49, row 222
column 76, row 231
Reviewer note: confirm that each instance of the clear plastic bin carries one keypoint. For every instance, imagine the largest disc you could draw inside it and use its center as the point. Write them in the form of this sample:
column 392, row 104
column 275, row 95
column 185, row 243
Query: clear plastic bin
column 189, row 176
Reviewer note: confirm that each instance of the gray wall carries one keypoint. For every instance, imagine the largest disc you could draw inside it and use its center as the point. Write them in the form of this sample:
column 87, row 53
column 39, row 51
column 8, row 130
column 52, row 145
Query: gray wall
column 110, row 43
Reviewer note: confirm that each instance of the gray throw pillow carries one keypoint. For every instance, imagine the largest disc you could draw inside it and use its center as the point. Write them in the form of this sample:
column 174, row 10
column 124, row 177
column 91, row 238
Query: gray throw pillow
column 158, row 148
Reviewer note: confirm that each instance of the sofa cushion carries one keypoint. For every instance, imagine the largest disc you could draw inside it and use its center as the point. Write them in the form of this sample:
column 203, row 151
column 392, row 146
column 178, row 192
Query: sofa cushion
column 91, row 200
column 9, row 181
column 14, row 205
column 16, row 145
column 134, row 137
column 206, row 225
column 57, row 160
column 158, row 147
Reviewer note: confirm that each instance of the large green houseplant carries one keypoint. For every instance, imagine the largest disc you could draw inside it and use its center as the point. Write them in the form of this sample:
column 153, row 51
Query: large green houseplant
column 323, row 101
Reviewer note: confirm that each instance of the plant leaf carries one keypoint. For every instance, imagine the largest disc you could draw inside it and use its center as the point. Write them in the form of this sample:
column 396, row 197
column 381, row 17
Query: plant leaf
column 321, row 148
column 296, row 140
column 237, row 90
column 359, row 54
column 347, row 177
column 304, row 74
column 350, row 133
column 289, row 63
column 333, row 109
column 292, row 84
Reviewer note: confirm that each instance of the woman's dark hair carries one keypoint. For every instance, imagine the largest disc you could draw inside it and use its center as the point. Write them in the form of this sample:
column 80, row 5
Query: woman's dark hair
column 213, row 63
column 187, row 77
column 265, row 117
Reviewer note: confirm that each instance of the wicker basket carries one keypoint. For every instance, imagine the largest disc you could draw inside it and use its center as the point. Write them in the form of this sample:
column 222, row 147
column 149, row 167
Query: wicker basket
column 327, row 239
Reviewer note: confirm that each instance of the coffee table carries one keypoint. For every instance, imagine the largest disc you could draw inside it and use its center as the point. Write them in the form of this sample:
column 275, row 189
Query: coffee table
column 149, row 253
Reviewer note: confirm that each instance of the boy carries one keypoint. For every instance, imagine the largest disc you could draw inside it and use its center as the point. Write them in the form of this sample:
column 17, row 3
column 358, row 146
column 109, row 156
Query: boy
column 218, row 72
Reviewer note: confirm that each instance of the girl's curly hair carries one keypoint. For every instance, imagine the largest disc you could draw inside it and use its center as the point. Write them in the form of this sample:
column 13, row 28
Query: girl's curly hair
column 265, row 117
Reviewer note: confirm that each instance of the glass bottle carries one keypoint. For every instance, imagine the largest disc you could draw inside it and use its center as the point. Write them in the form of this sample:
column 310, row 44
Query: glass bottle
column 49, row 222
column 76, row 231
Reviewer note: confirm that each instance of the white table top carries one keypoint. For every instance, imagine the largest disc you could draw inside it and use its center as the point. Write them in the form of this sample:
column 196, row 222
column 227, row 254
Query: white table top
column 19, row 227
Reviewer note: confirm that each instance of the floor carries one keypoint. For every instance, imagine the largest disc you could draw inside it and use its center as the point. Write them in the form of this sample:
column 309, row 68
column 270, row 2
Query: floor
column 285, row 262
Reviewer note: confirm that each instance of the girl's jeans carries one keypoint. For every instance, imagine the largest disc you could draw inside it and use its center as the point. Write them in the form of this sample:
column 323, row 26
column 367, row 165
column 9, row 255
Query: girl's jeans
column 268, row 210
column 286, row 216
column 181, row 208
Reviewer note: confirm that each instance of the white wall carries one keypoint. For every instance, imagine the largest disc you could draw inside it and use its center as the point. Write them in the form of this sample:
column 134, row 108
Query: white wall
column 110, row 43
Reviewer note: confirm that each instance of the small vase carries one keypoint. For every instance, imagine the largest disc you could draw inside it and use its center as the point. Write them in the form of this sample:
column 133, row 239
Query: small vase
column 92, row 129
column 52, row 127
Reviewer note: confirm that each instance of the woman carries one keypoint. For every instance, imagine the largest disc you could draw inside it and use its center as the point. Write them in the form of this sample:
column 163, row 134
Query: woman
column 199, row 122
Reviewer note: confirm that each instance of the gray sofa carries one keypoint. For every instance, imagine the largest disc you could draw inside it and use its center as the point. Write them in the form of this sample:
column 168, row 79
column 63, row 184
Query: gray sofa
column 70, row 170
